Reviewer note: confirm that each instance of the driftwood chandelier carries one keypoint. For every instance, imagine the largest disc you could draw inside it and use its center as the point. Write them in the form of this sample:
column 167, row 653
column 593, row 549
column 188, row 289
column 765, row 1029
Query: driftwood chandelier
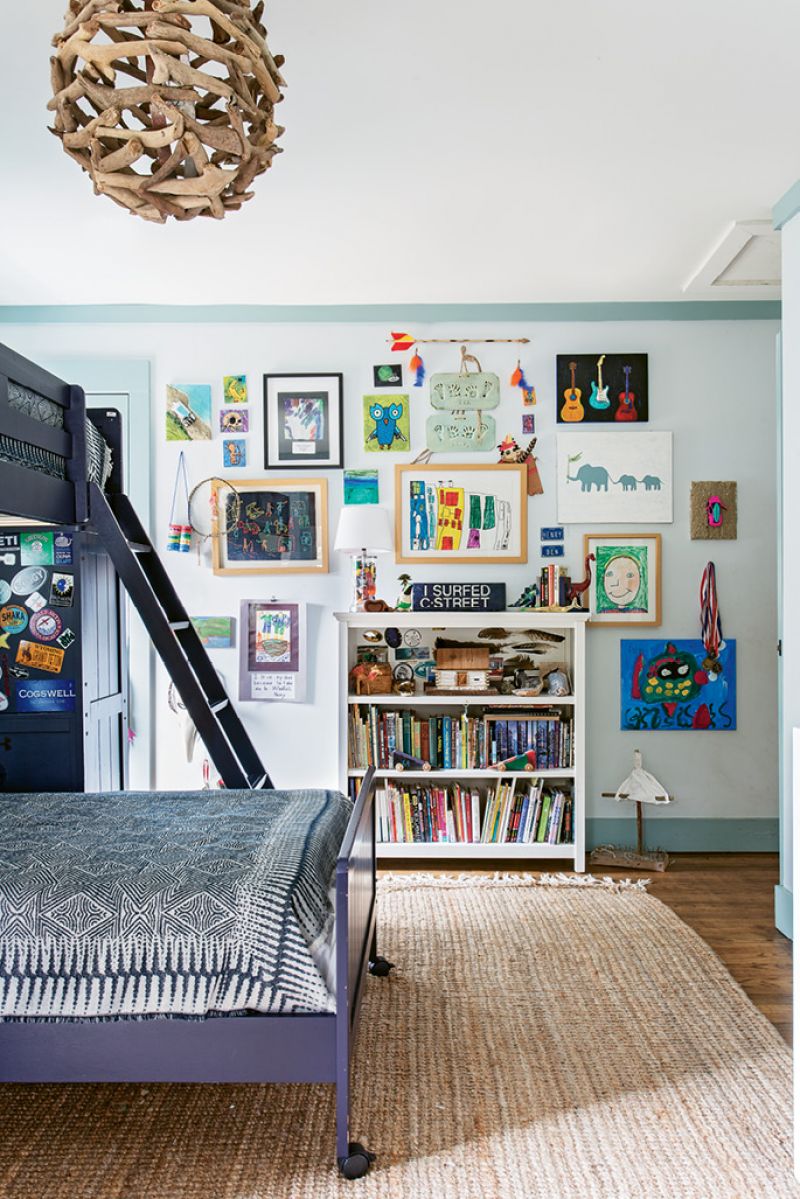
column 197, row 123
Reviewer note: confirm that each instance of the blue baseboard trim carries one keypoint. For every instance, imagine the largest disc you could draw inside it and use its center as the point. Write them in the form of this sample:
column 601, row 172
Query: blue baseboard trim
column 784, row 919
column 394, row 316
column 683, row 835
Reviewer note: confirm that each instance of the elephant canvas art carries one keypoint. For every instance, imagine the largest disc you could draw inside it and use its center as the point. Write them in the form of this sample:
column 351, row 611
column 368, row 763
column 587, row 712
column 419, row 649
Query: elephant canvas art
column 620, row 477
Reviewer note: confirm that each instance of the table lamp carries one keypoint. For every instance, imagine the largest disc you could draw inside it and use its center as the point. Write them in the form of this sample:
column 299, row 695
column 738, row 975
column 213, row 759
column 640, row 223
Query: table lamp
column 363, row 531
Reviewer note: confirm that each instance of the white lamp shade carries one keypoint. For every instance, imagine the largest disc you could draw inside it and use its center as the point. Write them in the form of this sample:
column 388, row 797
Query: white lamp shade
column 363, row 527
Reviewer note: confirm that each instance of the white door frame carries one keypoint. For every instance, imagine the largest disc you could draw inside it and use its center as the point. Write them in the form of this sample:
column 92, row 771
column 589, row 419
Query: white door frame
column 125, row 384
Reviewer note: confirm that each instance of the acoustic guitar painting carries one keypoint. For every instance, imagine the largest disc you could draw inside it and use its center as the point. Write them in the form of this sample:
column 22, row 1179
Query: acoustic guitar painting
column 599, row 397
column 626, row 408
column 602, row 389
column 572, row 409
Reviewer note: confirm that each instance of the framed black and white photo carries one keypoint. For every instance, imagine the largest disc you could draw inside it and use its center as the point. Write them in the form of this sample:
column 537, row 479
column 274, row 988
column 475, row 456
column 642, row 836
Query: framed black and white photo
column 303, row 421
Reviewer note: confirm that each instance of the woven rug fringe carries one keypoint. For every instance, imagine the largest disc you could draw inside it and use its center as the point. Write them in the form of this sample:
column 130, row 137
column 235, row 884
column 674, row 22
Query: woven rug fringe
column 402, row 882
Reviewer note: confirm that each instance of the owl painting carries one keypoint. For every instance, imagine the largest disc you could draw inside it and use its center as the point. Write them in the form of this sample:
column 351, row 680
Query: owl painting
column 386, row 425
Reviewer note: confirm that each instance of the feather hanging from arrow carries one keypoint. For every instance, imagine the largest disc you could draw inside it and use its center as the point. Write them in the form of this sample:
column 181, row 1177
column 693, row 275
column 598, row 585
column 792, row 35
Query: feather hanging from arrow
column 418, row 366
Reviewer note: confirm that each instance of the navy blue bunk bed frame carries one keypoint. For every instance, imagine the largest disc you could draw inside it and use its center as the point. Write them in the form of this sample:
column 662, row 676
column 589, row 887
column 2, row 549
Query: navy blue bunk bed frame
column 290, row 1048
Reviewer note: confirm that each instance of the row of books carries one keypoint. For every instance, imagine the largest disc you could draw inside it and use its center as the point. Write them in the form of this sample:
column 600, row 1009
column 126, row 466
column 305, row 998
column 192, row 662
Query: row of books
column 510, row 814
column 458, row 742
column 554, row 583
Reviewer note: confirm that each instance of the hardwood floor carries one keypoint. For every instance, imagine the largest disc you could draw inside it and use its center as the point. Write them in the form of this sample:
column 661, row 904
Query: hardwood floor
column 728, row 900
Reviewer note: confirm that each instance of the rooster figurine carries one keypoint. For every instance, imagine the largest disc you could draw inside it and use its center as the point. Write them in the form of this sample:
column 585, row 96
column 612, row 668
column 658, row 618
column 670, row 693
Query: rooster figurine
column 576, row 590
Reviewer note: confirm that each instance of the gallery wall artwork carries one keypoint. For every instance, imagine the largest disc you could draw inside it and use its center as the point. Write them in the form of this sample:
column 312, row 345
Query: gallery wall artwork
column 234, row 452
column 614, row 478
column 361, row 487
column 234, row 389
column 216, row 632
column 303, row 425
column 714, row 511
column 446, row 512
column 387, row 427
column 666, row 686
column 388, row 374
column 626, row 584
column 601, row 388
column 188, row 412
column 272, row 651
column 281, row 526
column 234, row 420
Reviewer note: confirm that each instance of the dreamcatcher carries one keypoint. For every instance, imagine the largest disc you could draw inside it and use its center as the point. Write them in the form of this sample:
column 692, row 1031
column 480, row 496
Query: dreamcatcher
column 214, row 510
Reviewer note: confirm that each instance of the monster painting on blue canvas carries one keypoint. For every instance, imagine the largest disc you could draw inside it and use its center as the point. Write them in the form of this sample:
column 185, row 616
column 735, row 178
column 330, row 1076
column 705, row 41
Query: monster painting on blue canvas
column 669, row 685
column 386, row 424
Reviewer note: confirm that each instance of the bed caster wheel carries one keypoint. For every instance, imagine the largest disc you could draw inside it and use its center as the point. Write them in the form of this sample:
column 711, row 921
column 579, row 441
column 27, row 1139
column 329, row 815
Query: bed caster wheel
column 380, row 967
column 357, row 1162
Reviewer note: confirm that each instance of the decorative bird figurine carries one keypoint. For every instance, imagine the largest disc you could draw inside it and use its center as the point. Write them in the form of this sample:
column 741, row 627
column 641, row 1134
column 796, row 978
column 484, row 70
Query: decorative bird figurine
column 576, row 590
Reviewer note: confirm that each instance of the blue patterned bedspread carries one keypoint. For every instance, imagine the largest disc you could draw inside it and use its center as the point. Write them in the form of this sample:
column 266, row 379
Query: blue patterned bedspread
column 142, row 903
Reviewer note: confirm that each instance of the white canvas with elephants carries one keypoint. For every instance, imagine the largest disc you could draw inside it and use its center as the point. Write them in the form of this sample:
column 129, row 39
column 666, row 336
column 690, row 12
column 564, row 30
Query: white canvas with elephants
column 614, row 478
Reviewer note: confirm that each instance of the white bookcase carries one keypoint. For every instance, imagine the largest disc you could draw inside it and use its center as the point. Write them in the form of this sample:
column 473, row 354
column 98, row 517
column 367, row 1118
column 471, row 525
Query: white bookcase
column 465, row 626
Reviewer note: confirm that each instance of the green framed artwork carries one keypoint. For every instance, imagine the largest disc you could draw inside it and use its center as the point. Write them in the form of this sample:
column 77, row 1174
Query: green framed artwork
column 626, row 578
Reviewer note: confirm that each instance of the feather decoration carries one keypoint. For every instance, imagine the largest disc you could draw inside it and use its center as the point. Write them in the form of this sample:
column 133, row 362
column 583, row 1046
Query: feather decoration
column 418, row 366
column 518, row 378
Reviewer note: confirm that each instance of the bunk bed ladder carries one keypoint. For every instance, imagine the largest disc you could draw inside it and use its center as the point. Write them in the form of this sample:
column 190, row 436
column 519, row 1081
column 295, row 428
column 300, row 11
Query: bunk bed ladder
column 176, row 641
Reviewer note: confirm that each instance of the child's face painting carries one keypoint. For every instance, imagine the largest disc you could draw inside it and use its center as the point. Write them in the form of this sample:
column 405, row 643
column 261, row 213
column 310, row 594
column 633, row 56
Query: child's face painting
column 621, row 581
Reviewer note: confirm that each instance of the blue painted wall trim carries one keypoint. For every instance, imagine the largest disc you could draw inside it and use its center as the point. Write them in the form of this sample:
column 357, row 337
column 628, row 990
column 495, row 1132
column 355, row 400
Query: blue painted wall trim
column 787, row 207
column 784, row 920
column 684, row 835
column 394, row 316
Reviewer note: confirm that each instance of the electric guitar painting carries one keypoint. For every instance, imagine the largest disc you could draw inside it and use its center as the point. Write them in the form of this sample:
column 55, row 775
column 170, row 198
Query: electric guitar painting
column 573, row 409
column 599, row 397
column 626, row 409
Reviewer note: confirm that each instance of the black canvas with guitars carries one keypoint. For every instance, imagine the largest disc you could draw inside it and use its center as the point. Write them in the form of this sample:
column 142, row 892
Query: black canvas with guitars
column 606, row 389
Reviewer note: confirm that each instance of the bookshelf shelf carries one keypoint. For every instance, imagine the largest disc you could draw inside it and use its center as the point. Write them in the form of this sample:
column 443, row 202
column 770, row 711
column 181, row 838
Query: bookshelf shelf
column 477, row 787
column 463, row 701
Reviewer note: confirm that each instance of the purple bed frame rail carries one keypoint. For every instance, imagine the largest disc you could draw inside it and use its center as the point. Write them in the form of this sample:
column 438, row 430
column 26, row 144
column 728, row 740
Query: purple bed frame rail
column 295, row 1047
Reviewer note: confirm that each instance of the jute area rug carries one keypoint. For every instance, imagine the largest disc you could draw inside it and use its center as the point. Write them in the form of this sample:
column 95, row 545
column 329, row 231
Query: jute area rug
column 533, row 1041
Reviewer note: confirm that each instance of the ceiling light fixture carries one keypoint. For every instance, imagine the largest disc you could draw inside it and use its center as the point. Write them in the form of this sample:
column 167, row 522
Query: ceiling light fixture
column 195, row 126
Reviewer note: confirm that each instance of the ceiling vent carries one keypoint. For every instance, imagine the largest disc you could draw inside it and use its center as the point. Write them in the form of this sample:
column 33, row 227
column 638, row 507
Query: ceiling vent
column 745, row 262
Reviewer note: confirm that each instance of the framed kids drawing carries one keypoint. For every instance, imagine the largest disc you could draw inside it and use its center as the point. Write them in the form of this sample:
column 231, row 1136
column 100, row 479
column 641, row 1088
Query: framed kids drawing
column 272, row 651
column 269, row 526
column 303, row 421
column 449, row 512
column 626, row 583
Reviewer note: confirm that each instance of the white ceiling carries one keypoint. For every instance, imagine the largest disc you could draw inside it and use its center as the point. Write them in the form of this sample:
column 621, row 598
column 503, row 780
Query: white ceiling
column 523, row 150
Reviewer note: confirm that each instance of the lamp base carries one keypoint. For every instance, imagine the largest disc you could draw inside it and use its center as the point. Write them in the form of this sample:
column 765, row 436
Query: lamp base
column 365, row 580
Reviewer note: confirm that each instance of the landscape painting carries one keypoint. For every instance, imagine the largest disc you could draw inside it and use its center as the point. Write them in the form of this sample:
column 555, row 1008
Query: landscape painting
column 670, row 686
column 188, row 412
column 215, row 632
column 445, row 512
column 614, row 478
column 361, row 487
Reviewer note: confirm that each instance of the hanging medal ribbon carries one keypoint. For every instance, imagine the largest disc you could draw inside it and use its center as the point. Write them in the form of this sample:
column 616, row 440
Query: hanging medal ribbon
column 710, row 622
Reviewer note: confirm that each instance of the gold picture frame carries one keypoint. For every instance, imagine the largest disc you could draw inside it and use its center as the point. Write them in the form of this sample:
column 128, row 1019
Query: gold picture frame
column 634, row 596
column 490, row 525
column 243, row 550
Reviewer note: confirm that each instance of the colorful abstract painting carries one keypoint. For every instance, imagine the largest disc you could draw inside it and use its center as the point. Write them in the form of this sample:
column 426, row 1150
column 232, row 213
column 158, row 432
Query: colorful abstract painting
column 361, row 487
column 668, row 686
column 386, row 424
column 458, row 513
column 234, row 389
column 271, row 526
column 234, row 420
column 188, row 412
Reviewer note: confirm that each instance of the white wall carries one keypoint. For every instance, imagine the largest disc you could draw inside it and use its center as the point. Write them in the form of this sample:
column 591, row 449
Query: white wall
column 711, row 383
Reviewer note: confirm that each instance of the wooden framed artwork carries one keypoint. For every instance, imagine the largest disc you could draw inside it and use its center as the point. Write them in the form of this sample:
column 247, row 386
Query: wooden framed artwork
column 626, row 579
column 303, row 423
column 449, row 512
column 281, row 526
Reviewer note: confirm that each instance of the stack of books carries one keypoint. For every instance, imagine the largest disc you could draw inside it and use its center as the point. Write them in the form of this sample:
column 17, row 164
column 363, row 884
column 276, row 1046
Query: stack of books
column 462, row 742
column 508, row 813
